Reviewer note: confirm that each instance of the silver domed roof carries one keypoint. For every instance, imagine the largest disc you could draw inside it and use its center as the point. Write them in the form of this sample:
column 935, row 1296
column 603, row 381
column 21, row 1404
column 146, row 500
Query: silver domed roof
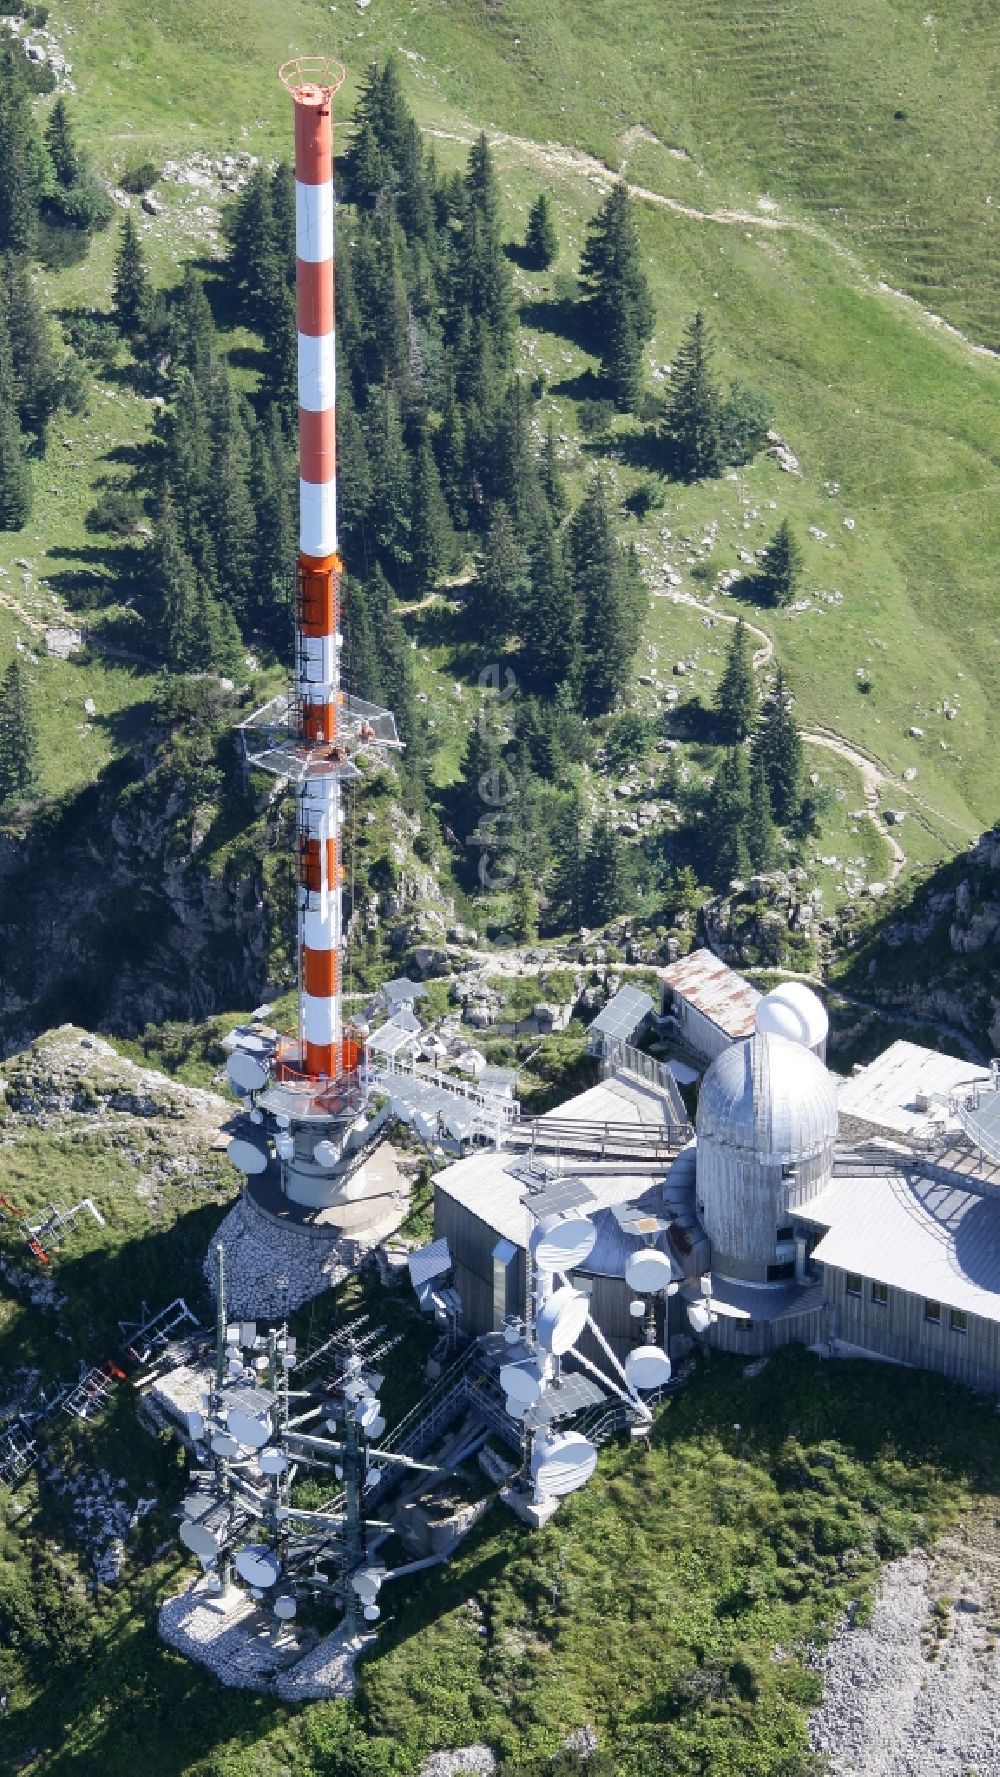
column 769, row 1098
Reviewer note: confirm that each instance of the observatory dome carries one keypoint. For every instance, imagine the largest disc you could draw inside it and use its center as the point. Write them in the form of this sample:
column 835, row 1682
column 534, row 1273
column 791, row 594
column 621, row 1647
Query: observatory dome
column 769, row 1097
column 794, row 1011
column 766, row 1124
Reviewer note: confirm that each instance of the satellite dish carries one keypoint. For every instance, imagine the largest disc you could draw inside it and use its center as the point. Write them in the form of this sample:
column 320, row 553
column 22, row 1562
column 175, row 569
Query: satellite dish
column 196, row 1504
column 247, row 1157
column 561, row 1243
column 371, row 1613
column 199, row 1539
column 366, row 1584
column 366, row 1412
column 284, row 1146
column 561, row 1464
column 647, row 1367
column 637, row 1310
column 253, row 1432
column 561, row 1320
column 195, row 1426
column 516, row 1409
column 338, row 1471
column 376, row 1428
column 233, row 1333
column 521, row 1383
column 706, row 1284
column 326, row 1153
column 672, row 1288
column 258, row 1566
column 511, row 1335
column 648, row 1271
column 285, row 1608
column 223, row 1445
column 256, row 1116
column 354, row 1187
column 700, row 1317
column 273, row 1462
column 245, row 1072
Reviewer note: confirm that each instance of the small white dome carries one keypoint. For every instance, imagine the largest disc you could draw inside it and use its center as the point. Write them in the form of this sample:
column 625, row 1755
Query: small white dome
column 793, row 1011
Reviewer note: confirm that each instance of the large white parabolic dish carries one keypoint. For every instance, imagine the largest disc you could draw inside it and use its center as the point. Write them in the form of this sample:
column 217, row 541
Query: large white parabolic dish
column 648, row 1271
column 561, row 1243
column 561, row 1320
column 257, row 1566
column 562, row 1464
column 647, row 1367
column 198, row 1539
column 521, row 1383
column 245, row 1072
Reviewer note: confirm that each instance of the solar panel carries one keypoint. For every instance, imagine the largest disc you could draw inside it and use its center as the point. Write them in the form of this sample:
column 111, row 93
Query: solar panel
column 573, row 1395
column 429, row 1262
column 559, row 1197
column 623, row 1014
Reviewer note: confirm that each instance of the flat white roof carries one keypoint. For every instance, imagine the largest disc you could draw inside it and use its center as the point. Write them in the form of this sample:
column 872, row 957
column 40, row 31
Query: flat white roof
column 885, row 1092
column 715, row 990
column 611, row 1101
column 926, row 1236
column 483, row 1185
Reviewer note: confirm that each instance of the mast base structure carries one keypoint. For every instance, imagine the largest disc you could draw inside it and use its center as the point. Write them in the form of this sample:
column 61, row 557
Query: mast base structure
column 308, row 1093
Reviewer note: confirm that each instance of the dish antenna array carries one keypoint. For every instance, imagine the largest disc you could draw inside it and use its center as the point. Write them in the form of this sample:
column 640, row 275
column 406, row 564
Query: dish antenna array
column 556, row 1316
column 256, row 1433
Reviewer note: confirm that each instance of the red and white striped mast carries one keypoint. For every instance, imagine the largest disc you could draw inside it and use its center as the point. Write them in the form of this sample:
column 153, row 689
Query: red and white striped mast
column 312, row 83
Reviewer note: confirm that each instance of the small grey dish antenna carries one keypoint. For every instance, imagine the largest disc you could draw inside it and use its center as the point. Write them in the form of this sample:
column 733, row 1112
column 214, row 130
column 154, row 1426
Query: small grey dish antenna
column 257, row 1566
column 247, row 1157
column 273, row 1462
column 245, row 1072
column 285, row 1608
column 199, row 1540
column 252, row 1432
column 371, row 1613
column 223, row 1445
column 366, row 1584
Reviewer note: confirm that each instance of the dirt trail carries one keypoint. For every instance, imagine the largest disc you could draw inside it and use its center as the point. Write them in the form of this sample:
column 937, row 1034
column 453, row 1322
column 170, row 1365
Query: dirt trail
column 576, row 162
column 11, row 604
column 873, row 783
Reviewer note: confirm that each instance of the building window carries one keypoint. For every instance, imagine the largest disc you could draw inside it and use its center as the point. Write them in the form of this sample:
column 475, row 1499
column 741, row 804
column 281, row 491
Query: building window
column 784, row 1234
column 780, row 1273
column 932, row 1313
column 959, row 1321
column 880, row 1293
column 853, row 1283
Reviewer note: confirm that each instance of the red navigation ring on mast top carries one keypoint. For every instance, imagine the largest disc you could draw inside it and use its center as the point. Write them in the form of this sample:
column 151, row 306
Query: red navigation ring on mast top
column 309, row 77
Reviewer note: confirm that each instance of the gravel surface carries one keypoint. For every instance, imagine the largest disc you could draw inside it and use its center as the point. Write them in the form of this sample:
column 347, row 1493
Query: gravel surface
column 916, row 1693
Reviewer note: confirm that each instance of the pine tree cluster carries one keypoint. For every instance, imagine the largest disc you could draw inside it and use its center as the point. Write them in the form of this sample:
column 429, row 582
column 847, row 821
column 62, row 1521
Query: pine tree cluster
column 757, row 789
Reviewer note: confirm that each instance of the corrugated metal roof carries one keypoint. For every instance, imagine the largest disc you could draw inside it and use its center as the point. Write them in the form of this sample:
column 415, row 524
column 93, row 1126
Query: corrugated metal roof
column 715, row 990
column 885, row 1092
column 926, row 1236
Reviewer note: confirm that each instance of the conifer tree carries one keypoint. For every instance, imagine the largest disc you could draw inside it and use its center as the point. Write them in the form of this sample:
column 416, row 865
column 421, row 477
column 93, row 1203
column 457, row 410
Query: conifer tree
column 130, row 281
column 511, row 469
column 192, row 331
column 736, row 696
column 693, row 412
column 779, row 746
column 759, row 827
column 18, row 736
column 255, row 265
column 61, row 146
column 35, row 373
column 275, row 533
column 541, row 242
column 482, row 286
column 548, row 623
column 620, row 308
column 231, row 513
column 502, row 572
column 432, row 540
column 780, row 566
column 608, row 879
column 551, row 475
column 15, row 476
column 19, row 159
column 395, row 670
column 354, row 484
column 728, row 813
column 391, row 510
column 610, row 599
column 568, row 850
column 364, row 677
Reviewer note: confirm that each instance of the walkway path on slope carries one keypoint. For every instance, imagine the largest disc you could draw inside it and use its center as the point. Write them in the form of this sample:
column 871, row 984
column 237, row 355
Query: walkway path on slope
column 587, row 166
